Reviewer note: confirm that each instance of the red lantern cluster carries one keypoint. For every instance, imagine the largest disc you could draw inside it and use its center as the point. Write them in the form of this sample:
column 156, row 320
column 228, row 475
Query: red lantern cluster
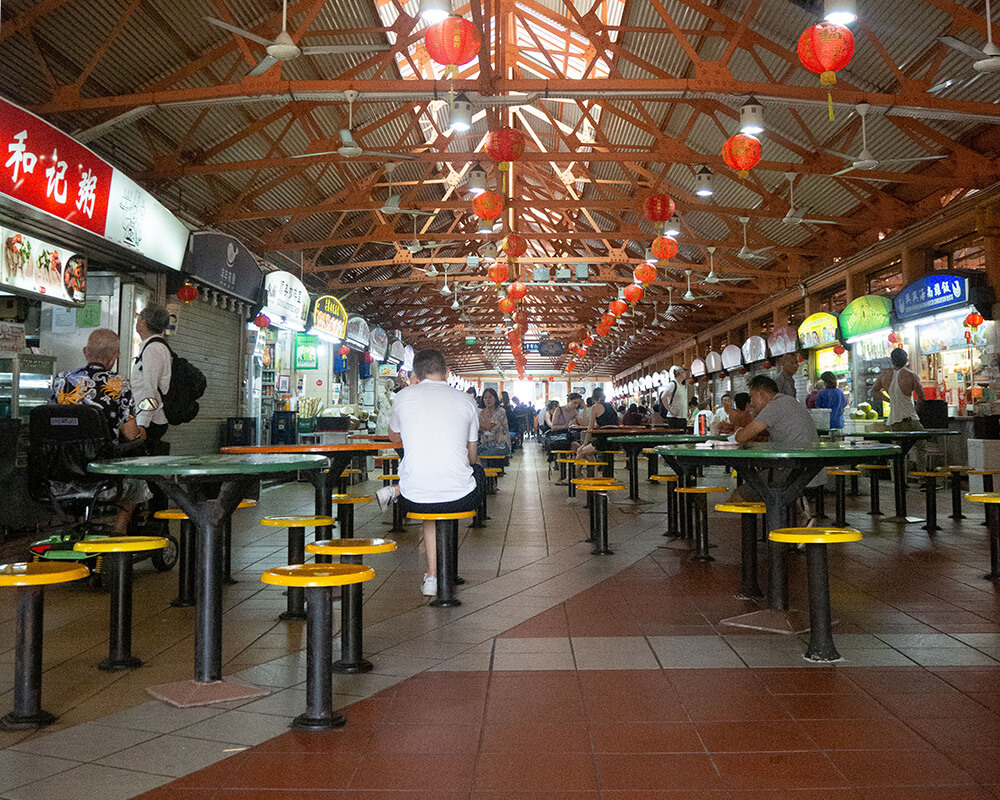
column 498, row 273
column 617, row 307
column 187, row 292
column 741, row 153
column 608, row 320
column 344, row 350
column 488, row 205
column 825, row 48
column 664, row 247
column 570, row 365
column 517, row 291
column 452, row 42
column 588, row 341
column 506, row 305
column 658, row 208
column 573, row 347
column 633, row 293
column 974, row 320
column 515, row 246
column 644, row 273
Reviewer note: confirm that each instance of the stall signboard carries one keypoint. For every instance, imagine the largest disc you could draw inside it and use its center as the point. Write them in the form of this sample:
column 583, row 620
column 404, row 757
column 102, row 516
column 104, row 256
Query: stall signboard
column 732, row 357
column 358, row 334
column 873, row 348
column 713, row 362
column 818, row 330
column 783, row 340
column 378, row 344
column 286, row 300
column 931, row 294
column 397, row 353
column 220, row 261
column 53, row 173
column 306, row 351
column 408, row 354
column 32, row 267
column 829, row 361
column 865, row 314
column 949, row 334
column 754, row 349
column 548, row 348
column 697, row 368
column 329, row 320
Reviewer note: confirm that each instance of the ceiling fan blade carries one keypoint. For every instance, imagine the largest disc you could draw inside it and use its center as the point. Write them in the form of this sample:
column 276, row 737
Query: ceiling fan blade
column 390, row 156
column 336, row 49
column 325, row 153
column 909, row 160
column 962, row 47
column 262, row 67
column 253, row 37
column 844, row 171
column 959, row 82
column 819, row 221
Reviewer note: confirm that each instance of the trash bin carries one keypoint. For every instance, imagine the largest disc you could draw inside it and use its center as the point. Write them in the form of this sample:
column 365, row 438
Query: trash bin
column 241, row 431
column 284, row 428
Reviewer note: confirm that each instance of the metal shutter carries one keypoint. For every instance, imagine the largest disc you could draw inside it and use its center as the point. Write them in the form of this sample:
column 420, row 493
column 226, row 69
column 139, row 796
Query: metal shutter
column 209, row 337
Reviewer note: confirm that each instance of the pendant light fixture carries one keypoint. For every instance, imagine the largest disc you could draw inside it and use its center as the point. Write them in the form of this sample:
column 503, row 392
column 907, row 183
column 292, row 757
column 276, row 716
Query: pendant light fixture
column 475, row 182
column 433, row 11
column 840, row 12
column 461, row 114
column 672, row 226
column 704, row 182
column 752, row 117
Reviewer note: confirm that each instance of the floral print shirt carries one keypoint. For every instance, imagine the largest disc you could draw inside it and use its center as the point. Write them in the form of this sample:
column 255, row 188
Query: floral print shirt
column 95, row 385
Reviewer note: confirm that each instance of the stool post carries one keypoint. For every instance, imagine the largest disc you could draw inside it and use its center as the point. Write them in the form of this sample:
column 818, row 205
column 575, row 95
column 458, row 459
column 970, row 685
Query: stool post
column 956, row 495
column 345, row 520
column 398, row 524
column 571, row 476
column 446, row 545
column 319, row 714
column 855, row 489
column 321, row 502
column 701, row 530
column 749, row 588
column 295, row 607
column 930, row 490
column 601, row 534
column 120, row 636
column 351, row 651
column 562, row 469
column 479, row 521
column 652, row 465
column 592, row 507
column 28, row 711
column 993, row 530
column 876, row 508
column 609, row 461
column 672, row 529
column 821, row 646
column 840, row 516
column 987, row 483
column 185, row 566
column 820, row 496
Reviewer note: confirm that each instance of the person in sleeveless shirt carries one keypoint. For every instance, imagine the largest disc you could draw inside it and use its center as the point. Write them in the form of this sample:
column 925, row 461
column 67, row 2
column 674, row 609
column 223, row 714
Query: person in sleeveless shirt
column 901, row 386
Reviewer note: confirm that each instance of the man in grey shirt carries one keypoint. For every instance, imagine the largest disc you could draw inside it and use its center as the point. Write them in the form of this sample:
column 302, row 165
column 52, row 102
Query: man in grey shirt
column 785, row 381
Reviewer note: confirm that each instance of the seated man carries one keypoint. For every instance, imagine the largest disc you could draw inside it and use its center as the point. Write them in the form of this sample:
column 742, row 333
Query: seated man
column 98, row 385
column 438, row 427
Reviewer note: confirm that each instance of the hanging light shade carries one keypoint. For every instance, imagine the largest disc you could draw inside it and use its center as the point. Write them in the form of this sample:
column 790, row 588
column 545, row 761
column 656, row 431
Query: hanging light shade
column 452, row 42
column 644, row 273
column 658, row 207
column 262, row 321
column 517, row 290
column 704, row 182
column 825, row 48
column 515, row 246
column 608, row 320
column 488, row 206
column 741, row 152
column 497, row 273
column 506, row 305
column 617, row 307
column 633, row 293
column 673, row 226
column 461, row 114
column 840, row 12
column 434, row 10
column 752, row 117
column 476, row 180
column 187, row 292
column 664, row 247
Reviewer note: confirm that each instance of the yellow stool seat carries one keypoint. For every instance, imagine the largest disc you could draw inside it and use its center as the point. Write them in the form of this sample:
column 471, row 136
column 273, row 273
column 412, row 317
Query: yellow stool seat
column 296, row 521
column 926, row 474
column 247, row 504
column 121, row 544
column 351, row 471
column 663, row 478
column 983, row 497
column 649, row 451
column 390, row 457
column 562, row 460
column 591, row 486
column 176, row 513
column 492, row 472
column 741, row 508
column 847, row 472
column 493, row 458
column 954, row 468
column 41, row 573
column 388, row 477
column 346, row 499
column 701, row 489
column 814, row 535
column 315, row 575
column 436, row 515
column 984, row 471
column 350, row 547
column 593, row 480
column 561, row 452
column 873, row 466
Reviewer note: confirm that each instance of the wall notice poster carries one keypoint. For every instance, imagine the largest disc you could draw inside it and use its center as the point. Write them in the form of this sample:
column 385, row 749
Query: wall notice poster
column 11, row 337
column 306, row 351
column 31, row 266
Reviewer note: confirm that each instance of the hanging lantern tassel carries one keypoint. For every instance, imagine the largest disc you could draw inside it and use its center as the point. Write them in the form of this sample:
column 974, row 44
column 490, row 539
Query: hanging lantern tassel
column 823, row 49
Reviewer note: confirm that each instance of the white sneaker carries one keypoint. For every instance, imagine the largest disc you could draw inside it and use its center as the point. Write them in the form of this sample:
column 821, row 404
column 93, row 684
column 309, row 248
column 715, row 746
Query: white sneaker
column 385, row 496
column 429, row 588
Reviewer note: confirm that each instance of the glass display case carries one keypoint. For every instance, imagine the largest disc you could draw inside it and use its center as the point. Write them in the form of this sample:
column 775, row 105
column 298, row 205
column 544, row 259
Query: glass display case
column 25, row 382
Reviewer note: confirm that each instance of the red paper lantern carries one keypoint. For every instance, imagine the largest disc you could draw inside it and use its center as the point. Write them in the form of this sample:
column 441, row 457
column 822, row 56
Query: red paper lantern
column 506, row 305
column 633, row 293
column 588, row 341
column 452, row 42
column 893, row 337
column 570, row 365
column 187, row 292
column 664, row 247
column 608, row 320
column 581, row 352
column 517, row 290
column 505, row 145
column 515, row 246
column 602, row 329
column 573, row 347
column 839, row 349
column 497, row 273
column 617, row 307
column 824, row 48
column 974, row 320
column 488, row 205
column 262, row 321
column 658, row 208
column 741, row 153
column 767, row 365
column 344, row 350
column 551, row 379
column 644, row 273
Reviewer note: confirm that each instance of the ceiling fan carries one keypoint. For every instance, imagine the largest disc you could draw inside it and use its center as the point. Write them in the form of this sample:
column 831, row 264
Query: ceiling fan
column 689, row 295
column 349, row 148
column 794, row 215
column 984, row 62
column 282, row 48
column 865, row 160
column 445, row 290
column 745, row 252
column 712, row 277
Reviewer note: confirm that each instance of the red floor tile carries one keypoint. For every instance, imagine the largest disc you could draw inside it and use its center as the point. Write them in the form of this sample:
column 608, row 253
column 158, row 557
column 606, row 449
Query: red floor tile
column 568, row 737
column 831, row 706
column 738, row 737
column 757, row 771
column 926, row 793
column 678, row 771
column 426, row 739
column 301, row 771
column 651, row 708
column 939, row 705
column 809, row 681
column 392, row 795
column 868, row 734
column 898, row 768
column 654, row 794
column 645, row 737
column 748, row 707
column 712, row 682
column 948, row 735
column 799, row 794
column 982, row 765
column 404, row 771
column 527, row 772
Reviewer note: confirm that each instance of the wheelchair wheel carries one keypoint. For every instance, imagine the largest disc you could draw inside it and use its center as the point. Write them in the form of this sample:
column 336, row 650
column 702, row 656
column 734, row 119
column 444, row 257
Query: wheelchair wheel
column 164, row 560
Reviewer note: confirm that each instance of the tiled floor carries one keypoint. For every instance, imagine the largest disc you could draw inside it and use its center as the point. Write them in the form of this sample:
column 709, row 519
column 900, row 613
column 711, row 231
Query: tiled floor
column 562, row 675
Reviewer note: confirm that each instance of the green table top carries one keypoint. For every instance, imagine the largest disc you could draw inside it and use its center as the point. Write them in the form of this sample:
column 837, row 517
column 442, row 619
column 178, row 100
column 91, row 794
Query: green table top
column 218, row 465
column 890, row 435
column 659, row 438
column 771, row 450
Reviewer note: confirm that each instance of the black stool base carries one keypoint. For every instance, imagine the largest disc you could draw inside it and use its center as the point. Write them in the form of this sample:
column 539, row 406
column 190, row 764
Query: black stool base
column 445, row 603
column 118, row 664
column 292, row 616
column 26, row 722
column 702, row 558
column 352, row 667
column 181, row 602
column 304, row 722
column 604, row 552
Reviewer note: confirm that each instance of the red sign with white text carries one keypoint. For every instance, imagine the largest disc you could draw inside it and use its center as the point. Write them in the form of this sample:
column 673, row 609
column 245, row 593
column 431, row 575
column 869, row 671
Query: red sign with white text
column 46, row 169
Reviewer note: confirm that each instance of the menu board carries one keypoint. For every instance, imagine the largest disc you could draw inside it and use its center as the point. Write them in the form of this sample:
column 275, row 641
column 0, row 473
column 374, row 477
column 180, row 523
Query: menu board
column 31, row 266
column 754, row 349
column 732, row 357
column 783, row 340
column 697, row 368
column 865, row 314
column 818, row 329
column 829, row 361
column 949, row 334
column 713, row 362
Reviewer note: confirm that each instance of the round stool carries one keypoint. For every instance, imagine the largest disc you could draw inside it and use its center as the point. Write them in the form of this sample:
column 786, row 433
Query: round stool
column 317, row 580
column 955, row 475
column 987, row 476
column 562, row 467
column 30, row 580
column 117, row 553
column 991, row 501
column 930, row 496
column 389, row 463
column 874, row 474
column 652, row 463
column 498, row 461
column 597, row 492
column 345, row 513
column 749, row 588
column 350, row 551
column 821, row 647
column 446, row 548
column 296, row 524
column 492, row 473
column 699, row 517
column 345, row 479
column 672, row 520
column 840, row 477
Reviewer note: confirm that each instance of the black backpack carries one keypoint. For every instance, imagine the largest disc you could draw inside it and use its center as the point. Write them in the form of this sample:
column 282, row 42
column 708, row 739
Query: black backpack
column 187, row 384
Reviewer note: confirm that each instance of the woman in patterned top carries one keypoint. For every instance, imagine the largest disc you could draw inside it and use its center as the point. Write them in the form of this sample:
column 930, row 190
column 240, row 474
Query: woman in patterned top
column 494, row 433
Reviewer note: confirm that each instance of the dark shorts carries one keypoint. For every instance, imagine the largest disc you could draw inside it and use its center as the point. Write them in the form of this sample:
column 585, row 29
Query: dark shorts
column 468, row 503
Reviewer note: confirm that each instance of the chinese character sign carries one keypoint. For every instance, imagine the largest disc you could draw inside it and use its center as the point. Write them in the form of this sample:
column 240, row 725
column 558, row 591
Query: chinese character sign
column 931, row 294
column 46, row 169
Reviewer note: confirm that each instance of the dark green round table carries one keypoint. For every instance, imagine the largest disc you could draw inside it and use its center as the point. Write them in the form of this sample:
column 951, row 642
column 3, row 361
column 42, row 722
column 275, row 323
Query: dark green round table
column 634, row 445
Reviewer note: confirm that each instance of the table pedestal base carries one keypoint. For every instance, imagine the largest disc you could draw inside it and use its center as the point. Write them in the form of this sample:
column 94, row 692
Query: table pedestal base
column 771, row 620
column 904, row 520
column 187, row 694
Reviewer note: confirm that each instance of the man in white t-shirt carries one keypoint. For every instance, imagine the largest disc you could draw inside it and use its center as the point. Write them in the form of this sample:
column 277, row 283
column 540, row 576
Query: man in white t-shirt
column 438, row 427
